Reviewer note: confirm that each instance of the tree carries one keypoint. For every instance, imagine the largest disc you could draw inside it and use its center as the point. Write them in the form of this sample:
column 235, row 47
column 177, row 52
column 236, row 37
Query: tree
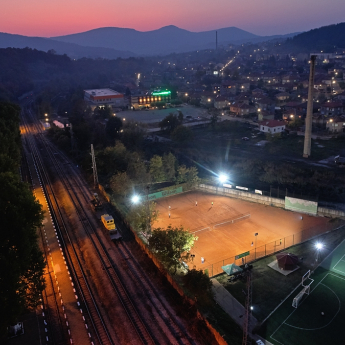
column 112, row 128
column 188, row 175
column 143, row 216
column 22, row 263
column 198, row 284
column 120, row 184
column 169, row 123
column 112, row 159
column 169, row 166
column 182, row 135
column 214, row 117
column 10, row 143
column 172, row 246
column 133, row 135
column 156, row 169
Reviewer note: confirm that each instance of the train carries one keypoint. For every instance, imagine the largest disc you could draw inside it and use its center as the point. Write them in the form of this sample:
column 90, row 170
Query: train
column 109, row 224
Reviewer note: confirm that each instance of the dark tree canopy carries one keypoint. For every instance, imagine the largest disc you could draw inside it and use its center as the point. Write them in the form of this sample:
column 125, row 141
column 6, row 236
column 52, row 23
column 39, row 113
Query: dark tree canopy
column 21, row 261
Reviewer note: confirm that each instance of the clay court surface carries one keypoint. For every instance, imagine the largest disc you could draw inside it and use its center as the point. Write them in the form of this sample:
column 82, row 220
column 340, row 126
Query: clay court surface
column 218, row 241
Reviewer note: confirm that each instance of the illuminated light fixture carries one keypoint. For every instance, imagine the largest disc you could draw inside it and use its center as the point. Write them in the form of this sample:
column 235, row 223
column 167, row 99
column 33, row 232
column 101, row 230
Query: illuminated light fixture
column 135, row 199
column 222, row 178
column 318, row 246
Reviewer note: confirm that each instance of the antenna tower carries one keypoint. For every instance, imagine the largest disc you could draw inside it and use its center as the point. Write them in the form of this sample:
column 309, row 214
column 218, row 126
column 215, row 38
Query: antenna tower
column 94, row 168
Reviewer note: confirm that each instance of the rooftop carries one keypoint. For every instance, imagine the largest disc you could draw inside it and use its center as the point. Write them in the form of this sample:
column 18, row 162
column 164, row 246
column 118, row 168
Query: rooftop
column 102, row 92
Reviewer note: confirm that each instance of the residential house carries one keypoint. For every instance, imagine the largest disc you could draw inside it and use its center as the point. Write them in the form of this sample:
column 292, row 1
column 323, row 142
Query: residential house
column 272, row 126
column 221, row 102
column 336, row 124
column 265, row 104
column 332, row 108
column 207, row 99
column 240, row 109
column 282, row 96
column 228, row 87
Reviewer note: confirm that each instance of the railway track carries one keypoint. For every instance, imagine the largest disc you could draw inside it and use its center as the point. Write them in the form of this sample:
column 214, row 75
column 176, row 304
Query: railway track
column 100, row 334
column 164, row 317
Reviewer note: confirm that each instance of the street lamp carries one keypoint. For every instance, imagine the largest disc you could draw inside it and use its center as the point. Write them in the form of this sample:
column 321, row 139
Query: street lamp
column 318, row 247
column 222, row 178
column 135, row 199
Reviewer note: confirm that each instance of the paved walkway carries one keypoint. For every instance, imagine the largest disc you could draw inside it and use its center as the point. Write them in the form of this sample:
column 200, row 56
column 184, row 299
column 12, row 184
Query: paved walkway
column 230, row 304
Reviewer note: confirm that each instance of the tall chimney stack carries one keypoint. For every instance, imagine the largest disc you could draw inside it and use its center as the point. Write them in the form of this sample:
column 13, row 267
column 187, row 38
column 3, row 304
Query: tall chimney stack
column 309, row 118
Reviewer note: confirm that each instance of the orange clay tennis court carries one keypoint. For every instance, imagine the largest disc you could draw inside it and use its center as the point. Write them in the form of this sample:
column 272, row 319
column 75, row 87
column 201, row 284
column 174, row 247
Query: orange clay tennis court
column 217, row 241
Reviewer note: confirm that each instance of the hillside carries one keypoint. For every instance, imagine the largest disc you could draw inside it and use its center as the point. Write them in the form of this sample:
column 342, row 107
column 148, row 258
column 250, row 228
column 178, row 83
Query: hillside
column 166, row 40
column 326, row 38
column 163, row 41
column 73, row 50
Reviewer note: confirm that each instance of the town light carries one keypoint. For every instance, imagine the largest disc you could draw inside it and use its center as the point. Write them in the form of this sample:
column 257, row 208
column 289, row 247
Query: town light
column 222, row 178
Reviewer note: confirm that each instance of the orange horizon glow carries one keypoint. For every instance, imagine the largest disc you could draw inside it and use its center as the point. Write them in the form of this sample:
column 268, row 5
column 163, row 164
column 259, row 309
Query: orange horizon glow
column 261, row 17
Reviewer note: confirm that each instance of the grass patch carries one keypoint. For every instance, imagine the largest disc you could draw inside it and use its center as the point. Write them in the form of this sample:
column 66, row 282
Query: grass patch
column 270, row 287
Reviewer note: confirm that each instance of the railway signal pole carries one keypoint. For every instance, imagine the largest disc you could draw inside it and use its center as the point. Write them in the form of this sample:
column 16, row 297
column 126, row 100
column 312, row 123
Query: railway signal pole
column 94, row 168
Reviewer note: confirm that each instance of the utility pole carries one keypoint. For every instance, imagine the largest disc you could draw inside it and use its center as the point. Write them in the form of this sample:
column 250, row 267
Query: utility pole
column 246, row 340
column 94, row 168
column 148, row 224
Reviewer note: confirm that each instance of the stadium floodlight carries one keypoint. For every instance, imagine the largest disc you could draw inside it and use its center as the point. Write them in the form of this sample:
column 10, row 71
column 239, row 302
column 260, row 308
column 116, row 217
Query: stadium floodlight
column 135, row 199
column 222, row 178
column 319, row 245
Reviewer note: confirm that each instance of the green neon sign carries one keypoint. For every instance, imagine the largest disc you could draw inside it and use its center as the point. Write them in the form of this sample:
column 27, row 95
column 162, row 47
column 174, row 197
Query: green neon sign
column 161, row 93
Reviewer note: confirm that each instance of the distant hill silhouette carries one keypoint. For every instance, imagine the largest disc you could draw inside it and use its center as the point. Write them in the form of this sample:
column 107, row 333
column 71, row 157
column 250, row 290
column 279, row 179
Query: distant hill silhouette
column 326, row 38
column 166, row 40
column 71, row 49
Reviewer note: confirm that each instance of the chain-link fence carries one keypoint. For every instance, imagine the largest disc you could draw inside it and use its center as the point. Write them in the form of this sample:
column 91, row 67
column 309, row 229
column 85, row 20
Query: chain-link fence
column 273, row 247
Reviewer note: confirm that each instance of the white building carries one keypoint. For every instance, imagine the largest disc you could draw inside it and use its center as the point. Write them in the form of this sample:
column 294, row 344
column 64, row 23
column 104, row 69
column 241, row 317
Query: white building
column 102, row 97
column 272, row 126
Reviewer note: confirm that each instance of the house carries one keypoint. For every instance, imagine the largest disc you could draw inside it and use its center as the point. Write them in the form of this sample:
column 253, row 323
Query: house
column 207, row 99
column 332, row 108
column 272, row 126
column 265, row 104
column 228, row 87
column 282, row 96
column 336, row 124
column 240, row 108
column 221, row 102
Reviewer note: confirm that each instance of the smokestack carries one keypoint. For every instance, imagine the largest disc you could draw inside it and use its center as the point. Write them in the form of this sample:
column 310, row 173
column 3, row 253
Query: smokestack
column 216, row 40
column 309, row 118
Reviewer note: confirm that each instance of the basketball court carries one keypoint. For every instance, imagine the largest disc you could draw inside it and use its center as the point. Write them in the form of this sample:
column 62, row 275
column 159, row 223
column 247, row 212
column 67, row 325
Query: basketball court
column 226, row 227
column 318, row 317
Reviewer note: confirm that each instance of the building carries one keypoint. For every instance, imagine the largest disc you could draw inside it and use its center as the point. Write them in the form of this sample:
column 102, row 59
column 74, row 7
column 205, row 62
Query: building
column 336, row 124
column 272, row 126
column 145, row 100
column 103, row 97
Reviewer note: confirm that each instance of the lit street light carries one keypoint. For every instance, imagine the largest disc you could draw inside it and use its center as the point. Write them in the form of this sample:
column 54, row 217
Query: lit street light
column 135, row 199
column 318, row 247
column 222, row 178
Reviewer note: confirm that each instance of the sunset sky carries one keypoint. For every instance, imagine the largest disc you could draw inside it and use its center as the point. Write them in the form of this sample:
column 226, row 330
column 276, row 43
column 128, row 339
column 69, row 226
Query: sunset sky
column 261, row 17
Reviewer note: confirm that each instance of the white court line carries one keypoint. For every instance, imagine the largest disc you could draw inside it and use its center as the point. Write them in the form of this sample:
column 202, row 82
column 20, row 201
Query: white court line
column 320, row 282
column 313, row 329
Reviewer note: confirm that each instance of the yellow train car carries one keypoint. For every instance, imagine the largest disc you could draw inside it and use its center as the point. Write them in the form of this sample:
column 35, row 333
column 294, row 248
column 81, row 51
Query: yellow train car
column 108, row 221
